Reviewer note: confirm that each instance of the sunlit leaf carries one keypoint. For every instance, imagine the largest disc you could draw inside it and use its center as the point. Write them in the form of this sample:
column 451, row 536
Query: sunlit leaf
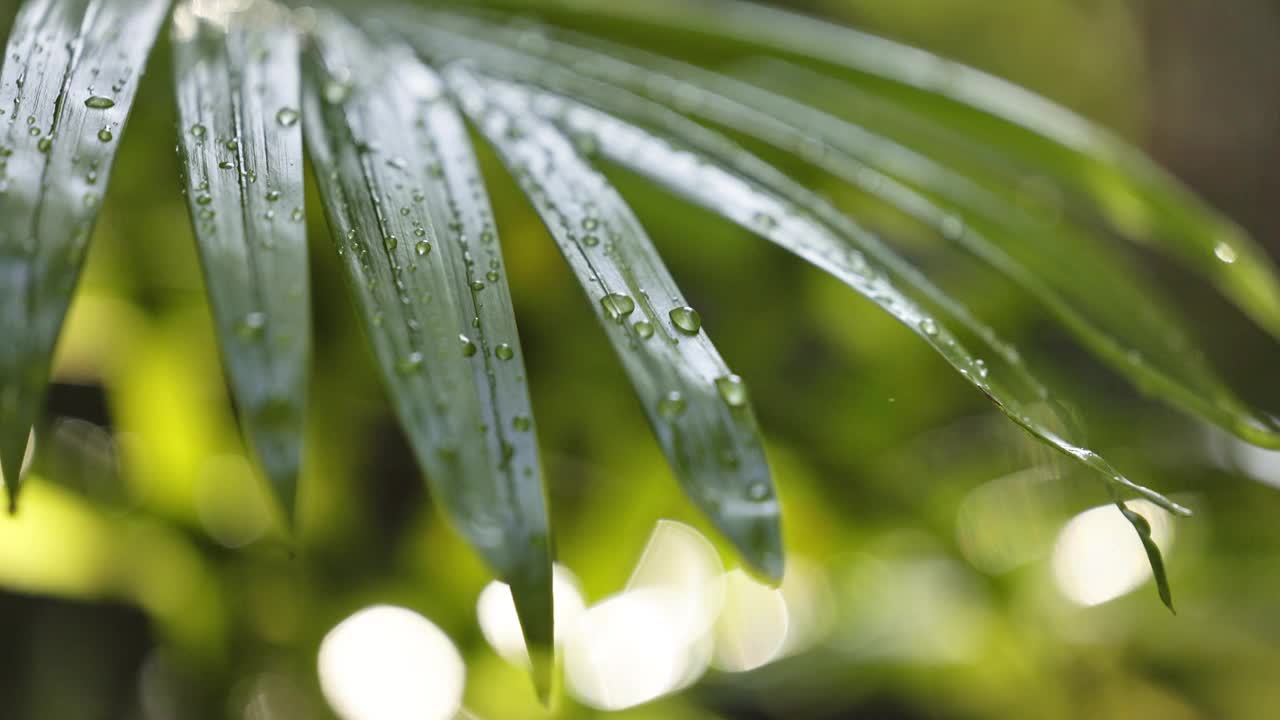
column 1135, row 195
column 237, row 85
column 70, row 73
column 697, row 407
column 413, row 229
column 711, row 171
column 1077, row 277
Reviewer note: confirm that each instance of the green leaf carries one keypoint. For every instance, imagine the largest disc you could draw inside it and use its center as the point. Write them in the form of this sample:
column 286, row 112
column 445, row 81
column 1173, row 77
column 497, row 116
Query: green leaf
column 711, row 171
column 1135, row 195
column 70, row 73
column 414, row 230
column 698, row 409
column 237, row 83
column 1077, row 277
column 1143, row 528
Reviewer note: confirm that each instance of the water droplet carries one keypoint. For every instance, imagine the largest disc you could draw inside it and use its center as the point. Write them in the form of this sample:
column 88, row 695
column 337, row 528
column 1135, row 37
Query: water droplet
column 617, row 305
column 45, row 145
column 468, row 347
column 198, row 130
column 1225, row 253
column 644, row 329
column 33, row 131
column 296, row 215
column 97, row 102
column 477, row 285
column 422, row 248
column 273, row 195
column 672, row 405
column 732, row 390
column 521, row 423
column 590, row 224
column 232, row 145
column 410, row 364
column 952, row 227
column 336, row 92
column 929, row 327
column 764, row 220
column 492, row 276
column 226, row 165
column 758, row 491
column 591, row 241
column 287, row 117
column 391, row 242
column 252, row 325
column 686, row 320
column 504, row 352
column 203, row 199
column 105, row 135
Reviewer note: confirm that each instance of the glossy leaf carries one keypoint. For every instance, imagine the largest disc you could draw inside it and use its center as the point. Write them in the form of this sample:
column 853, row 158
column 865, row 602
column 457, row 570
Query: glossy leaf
column 414, row 231
column 1081, row 280
column 70, row 73
column 237, row 84
column 1134, row 195
column 711, row 171
column 697, row 407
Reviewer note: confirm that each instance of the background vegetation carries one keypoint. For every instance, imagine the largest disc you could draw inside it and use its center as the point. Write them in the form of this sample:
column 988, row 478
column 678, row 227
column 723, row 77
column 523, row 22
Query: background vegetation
column 144, row 577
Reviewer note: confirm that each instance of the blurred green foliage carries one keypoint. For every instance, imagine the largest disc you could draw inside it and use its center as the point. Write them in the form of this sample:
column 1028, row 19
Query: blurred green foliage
column 145, row 576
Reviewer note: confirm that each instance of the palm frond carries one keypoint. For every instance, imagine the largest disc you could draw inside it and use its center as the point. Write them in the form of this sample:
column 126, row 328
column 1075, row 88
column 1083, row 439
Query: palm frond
column 697, row 407
column 415, row 233
column 71, row 70
column 237, row 86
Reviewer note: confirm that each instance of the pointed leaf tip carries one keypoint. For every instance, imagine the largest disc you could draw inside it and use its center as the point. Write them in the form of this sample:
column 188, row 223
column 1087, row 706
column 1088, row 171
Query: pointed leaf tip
column 1154, row 556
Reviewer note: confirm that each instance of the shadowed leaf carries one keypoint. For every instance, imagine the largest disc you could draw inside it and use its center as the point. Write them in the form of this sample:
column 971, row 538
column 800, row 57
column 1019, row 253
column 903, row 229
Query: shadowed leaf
column 237, row 83
column 70, row 73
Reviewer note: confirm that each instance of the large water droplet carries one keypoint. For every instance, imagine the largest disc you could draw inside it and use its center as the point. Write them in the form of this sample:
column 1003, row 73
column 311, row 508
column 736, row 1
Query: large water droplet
column 97, row 102
column 617, row 305
column 686, row 320
column 732, row 390
column 468, row 347
column 45, row 145
column 422, row 248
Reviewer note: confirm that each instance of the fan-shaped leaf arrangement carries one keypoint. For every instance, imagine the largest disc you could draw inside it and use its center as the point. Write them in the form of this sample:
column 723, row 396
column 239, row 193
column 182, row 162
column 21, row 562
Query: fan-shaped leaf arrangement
column 382, row 99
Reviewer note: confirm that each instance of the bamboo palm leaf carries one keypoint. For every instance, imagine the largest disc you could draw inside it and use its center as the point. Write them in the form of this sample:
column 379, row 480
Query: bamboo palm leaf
column 1136, row 196
column 237, row 84
column 414, row 230
column 697, row 407
column 70, row 73
column 1079, row 279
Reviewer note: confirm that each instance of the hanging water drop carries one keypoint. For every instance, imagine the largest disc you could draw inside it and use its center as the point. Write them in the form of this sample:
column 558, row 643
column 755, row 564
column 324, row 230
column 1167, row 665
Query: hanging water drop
column 686, row 320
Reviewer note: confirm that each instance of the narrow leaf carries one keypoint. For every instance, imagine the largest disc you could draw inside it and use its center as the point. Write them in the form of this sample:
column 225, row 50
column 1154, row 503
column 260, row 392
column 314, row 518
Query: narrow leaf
column 237, row 83
column 1156, row 560
column 1135, row 195
column 698, row 409
column 1078, row 278
column 70, row 73
column 709, row 170
column 414, row 230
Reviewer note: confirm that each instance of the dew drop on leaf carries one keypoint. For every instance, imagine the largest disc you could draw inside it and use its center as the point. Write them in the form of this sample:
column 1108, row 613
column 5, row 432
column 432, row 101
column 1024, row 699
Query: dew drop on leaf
column 617, row 305
column 97, row 102
column 686, row 320
column 732, row 390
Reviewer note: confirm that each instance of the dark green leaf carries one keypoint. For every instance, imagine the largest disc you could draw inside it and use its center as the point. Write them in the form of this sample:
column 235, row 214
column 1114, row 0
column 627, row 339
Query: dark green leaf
column 698, row 409
column 238, row 96
column 70, row 73
column 413, row 228
column 1143, row 528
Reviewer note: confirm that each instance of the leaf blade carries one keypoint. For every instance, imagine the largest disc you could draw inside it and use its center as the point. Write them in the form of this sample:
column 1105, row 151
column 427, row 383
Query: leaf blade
column 467, row 412
column 238, row 87
column 68, row 83
column 707, row 432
